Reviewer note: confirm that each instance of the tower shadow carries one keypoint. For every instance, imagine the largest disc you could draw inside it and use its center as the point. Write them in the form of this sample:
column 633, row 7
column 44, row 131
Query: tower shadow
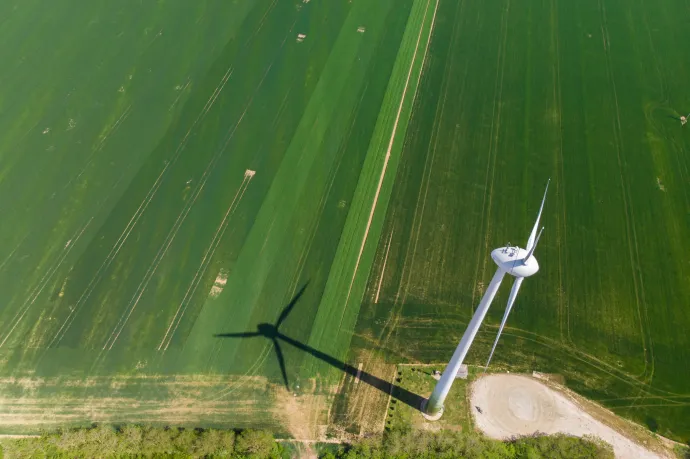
column 271, row 332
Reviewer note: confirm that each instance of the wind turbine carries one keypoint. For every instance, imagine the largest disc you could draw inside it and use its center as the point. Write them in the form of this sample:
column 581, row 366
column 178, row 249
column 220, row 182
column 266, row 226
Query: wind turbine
column 517, row 262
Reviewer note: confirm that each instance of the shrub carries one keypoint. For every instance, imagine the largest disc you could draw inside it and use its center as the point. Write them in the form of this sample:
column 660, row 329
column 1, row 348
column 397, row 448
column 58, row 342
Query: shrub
column 256, row 444
column 219, row 443
column 408, row 443
column 133, row 441
column 682, row 451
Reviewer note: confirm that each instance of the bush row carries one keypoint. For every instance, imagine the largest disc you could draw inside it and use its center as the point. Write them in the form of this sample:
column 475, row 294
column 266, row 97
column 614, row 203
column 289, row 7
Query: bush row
column 134, row 441
column 402, row 444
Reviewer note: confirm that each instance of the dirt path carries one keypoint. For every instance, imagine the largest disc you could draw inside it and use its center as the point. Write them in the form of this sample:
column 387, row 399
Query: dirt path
column 519, row 405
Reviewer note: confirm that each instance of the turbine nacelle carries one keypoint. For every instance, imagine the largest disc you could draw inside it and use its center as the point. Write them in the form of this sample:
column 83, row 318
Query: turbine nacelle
column 515, row 261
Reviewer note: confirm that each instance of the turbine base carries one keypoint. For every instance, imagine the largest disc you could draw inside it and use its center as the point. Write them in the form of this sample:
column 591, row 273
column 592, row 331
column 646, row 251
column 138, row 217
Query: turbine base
column 430, row 417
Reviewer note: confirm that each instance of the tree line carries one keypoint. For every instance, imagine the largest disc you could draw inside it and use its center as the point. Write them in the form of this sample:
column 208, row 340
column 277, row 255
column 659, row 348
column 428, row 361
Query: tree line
column 409, row 443
column 134, row 441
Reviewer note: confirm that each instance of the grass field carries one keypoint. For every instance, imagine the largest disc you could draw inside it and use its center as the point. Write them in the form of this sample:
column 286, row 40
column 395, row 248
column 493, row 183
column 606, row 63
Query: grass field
column 517, row 92
column 172, row 171
column 177, row 171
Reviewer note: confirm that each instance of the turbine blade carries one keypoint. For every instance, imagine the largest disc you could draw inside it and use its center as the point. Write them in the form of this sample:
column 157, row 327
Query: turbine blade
column 534, row 247
column 533, row 235
column 511, row 300
column 281, row 361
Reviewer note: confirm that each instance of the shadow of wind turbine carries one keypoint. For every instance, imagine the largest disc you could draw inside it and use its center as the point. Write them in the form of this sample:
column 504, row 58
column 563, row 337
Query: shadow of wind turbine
column 270, row 331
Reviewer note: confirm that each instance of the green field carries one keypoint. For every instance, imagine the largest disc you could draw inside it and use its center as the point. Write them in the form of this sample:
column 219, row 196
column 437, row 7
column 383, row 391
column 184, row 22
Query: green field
column 584, row 93
column 170, row 171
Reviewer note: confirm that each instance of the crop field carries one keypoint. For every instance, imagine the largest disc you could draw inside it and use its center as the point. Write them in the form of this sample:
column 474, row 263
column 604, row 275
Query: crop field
column 219, row 213
column 173, row 172
column 589, row 94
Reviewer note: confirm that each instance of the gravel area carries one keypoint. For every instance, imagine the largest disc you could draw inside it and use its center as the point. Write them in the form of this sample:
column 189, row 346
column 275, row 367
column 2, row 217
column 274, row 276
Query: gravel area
column 519, row 405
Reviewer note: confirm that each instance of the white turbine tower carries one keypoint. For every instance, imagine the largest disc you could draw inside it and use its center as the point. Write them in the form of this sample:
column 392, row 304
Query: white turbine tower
column 515, row 261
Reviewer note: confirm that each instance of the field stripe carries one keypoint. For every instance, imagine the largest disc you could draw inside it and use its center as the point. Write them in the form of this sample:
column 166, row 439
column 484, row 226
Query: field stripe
column 182, row 91
column 631, row 233
column 418, row 215
column 563, row 307
column 9, row 257
column 493, row 149
column 583, row 357
column 251, row 371
column 326, row 114
column 341, row 286
column 384, row 168
column 44, row 280
column 383, row 269
column 137, row 215
column 100, row 144
column 199, row 187
column 215, row 241
column 409, row 257
column 180, row 218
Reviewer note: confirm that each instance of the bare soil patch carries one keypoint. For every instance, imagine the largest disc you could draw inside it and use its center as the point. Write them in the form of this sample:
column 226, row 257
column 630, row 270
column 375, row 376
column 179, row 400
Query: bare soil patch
column 513, row 405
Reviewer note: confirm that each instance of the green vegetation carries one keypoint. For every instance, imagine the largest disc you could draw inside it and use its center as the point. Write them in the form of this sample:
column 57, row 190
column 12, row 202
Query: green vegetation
column 143, row 235
column 175, row 170
column 339, row 306
column 682, row 451
column 448, row 444
column 419, row 380
column 151, row 442
column 514, row 93
column 136, row 441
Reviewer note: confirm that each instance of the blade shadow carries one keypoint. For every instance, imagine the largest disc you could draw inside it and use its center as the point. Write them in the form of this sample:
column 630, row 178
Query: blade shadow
column 403, row 395
column 237, row 335
column 271, row 332
column 281, row 362
column 288, row 309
